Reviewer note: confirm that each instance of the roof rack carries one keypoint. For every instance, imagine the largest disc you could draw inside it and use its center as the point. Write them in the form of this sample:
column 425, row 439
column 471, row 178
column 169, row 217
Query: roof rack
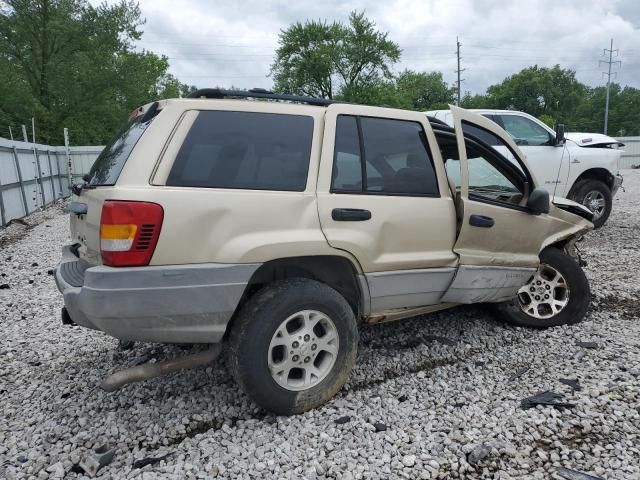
column 257, row 93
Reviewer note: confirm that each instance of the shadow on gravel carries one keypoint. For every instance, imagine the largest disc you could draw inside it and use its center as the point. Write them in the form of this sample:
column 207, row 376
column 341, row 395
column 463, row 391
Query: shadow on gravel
column 628, row 308
column 424, row 343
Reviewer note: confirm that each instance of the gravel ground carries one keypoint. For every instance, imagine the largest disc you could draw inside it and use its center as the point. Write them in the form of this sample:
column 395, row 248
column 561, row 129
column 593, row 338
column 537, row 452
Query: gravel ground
column 433, row 397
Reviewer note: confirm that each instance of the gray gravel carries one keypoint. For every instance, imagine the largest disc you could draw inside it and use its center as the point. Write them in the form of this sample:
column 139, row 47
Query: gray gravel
column 432, row 397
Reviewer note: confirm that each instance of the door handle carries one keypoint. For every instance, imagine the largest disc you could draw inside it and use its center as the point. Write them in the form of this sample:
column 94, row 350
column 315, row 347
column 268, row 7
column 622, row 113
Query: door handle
column 350, row 214
column 481, row 221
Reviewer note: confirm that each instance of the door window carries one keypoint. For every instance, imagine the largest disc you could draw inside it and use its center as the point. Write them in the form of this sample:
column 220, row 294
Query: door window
column 482, row 134
column 491, row 177
column 525, row 131
column 389, row 158
column 347, row 167
column 486, row 180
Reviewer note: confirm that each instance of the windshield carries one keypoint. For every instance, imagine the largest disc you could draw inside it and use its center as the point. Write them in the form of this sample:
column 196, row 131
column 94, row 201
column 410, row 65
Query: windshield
column 107, row 167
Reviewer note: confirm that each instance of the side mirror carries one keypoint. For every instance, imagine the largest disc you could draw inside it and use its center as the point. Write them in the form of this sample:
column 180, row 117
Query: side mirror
column 538, row 201
column 560, row 140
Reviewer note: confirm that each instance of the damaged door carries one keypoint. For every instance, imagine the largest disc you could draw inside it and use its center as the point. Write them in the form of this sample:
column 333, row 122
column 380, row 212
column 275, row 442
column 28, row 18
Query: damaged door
column 499, row 239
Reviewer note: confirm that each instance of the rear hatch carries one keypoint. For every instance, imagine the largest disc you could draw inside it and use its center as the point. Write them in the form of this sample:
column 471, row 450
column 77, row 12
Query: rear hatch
column 102, row 178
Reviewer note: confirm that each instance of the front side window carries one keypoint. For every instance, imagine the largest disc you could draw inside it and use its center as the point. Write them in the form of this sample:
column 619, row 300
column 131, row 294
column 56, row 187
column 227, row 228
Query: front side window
column 481, row 134
column 245, row 150
column 525, row 131
column 391, row 154
column 491, row 177
column 486, row 180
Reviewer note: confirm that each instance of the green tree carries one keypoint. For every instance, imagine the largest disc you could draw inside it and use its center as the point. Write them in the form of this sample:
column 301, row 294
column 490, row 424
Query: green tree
column 70, row 64
column 539, row 90
column 547, row 119
column 424, row 90
column 327, row 60
column 624, row 111
column 381, row 93
column 475, row 101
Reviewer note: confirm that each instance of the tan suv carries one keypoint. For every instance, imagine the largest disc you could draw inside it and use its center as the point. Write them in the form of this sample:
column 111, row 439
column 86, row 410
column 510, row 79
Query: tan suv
column 277, row 227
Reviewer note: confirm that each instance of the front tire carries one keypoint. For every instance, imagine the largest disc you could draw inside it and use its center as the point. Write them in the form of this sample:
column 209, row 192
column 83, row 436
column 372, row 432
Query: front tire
column 596, row 196
column 557, row 294
column 293, row 345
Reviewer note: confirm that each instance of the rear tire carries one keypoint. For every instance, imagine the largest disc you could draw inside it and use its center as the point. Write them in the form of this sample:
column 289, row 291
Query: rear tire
column 558, row 294
column 596, row 196
column 293, row 345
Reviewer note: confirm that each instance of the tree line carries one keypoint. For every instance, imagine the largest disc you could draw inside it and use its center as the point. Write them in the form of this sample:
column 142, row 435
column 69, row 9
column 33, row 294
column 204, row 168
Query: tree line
column 354, row 61
column 70, row 64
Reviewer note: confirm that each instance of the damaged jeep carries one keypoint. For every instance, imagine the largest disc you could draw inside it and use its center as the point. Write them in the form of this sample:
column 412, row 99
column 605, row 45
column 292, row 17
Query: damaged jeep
column 278, row 227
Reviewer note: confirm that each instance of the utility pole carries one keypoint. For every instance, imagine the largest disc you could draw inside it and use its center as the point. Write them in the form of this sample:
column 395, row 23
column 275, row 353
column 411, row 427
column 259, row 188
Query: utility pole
column 458, row 71
column 608, row 73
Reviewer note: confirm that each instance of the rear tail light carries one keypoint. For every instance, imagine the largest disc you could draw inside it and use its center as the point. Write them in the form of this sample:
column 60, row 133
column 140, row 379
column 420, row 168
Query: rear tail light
column 129, row 232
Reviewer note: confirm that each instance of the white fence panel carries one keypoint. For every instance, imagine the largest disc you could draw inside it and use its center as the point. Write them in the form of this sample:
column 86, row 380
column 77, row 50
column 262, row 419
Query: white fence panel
column 32, row 178
column 631, row 153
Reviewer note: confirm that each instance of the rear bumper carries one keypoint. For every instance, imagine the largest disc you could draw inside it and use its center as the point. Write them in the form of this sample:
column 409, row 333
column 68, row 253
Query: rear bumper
column 167, row 304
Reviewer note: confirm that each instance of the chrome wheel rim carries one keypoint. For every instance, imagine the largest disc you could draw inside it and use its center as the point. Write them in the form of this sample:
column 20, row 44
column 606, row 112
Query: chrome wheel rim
column 546, row 294
column 595, row 201
column 303, row 350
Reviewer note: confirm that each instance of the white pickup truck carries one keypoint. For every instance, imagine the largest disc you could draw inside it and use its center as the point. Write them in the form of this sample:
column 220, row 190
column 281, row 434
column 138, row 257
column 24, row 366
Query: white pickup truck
column 579, row 166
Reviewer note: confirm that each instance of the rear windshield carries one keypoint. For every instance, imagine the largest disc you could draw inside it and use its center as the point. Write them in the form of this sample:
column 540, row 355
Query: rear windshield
column 245, row 150
column 107, row 167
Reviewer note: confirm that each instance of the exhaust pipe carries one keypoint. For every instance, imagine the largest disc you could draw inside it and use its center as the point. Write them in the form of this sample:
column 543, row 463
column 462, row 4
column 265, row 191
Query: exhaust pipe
column 146, row 371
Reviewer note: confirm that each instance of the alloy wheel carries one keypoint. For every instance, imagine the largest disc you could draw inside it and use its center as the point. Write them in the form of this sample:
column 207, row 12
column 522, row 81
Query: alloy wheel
column 546, row 294
column 595, row 201
column 303, row 350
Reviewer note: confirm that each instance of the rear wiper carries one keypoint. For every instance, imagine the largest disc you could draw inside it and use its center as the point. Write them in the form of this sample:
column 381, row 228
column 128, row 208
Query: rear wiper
column 77, row 188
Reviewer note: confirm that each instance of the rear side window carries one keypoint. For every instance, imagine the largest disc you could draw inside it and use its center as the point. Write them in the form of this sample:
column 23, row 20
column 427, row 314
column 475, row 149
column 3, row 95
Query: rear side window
column 107, row 167
column 347, row 167
column 382, row 156
column 245, row 150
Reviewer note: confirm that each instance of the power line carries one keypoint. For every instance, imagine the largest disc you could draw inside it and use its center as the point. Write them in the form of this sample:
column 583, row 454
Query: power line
column 610, row 62
column 458, row 71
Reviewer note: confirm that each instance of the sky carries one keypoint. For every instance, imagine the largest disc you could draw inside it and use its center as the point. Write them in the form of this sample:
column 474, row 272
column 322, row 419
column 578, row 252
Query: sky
column 225, row 43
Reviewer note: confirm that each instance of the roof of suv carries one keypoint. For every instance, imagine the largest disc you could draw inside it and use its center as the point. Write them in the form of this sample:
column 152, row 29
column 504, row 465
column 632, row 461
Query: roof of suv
column 218, row 93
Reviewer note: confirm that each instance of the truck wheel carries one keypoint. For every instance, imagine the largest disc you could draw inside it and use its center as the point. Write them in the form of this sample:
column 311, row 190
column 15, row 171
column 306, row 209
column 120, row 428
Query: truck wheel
column 596, row 196
column 557, row 294
column 293, row 345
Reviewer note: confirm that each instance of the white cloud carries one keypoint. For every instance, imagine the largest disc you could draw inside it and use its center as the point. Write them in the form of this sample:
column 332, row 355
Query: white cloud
column 232, row 42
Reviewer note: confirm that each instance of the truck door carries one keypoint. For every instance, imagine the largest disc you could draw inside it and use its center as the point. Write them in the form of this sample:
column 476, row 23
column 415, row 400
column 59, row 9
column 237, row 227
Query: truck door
column 551, row 163
column 499, row 239
column 383, row 196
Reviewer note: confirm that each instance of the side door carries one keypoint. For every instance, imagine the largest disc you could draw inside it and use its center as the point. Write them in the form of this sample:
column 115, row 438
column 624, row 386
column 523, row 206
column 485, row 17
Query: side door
column 551, row 163
column 383, row 196
column 499, row 239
